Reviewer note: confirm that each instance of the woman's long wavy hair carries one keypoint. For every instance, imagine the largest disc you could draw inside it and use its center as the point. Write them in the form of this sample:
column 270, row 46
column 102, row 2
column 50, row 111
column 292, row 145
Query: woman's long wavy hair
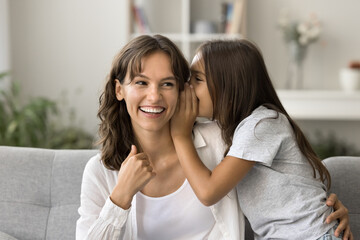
column 238, row 79
column 115, row 130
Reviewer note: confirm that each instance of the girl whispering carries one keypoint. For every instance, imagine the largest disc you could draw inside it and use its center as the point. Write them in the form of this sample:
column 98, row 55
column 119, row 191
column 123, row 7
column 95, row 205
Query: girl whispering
column 281, row 183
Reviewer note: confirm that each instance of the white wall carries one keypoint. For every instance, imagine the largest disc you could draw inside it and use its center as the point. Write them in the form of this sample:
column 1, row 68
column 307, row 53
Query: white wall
column 4, row 42
column 66, row 46
column 339, row 44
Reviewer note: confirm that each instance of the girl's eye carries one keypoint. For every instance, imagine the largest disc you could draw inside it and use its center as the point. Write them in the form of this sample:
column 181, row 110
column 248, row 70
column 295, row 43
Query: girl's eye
column 196, row 78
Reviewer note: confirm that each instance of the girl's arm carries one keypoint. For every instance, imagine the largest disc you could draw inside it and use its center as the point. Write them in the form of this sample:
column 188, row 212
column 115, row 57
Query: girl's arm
column 209, row 186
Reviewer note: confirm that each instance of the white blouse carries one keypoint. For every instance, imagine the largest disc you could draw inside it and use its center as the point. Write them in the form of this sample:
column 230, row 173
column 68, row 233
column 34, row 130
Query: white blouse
column 100, row 218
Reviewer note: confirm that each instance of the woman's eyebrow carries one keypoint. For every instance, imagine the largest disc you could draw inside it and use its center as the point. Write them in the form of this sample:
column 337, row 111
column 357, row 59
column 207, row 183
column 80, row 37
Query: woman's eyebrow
column 141, row 75
column 169, row 78
column 165, row 78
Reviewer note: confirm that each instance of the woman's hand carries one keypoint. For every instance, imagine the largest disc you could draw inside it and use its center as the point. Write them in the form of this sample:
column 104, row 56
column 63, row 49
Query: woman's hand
column 135, row 172
column 185, row 114
column 340, row 213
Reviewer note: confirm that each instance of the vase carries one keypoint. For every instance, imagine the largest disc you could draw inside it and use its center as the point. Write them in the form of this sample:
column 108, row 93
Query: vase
column 295, row 72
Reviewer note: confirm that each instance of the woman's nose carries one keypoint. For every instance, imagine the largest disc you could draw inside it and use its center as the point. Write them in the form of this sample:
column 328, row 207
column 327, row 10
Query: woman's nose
column 154, row 94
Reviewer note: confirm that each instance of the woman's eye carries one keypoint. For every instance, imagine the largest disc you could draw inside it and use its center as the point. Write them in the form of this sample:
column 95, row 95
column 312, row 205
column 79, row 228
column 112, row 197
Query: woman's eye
column 140, row 82
column 168, row 84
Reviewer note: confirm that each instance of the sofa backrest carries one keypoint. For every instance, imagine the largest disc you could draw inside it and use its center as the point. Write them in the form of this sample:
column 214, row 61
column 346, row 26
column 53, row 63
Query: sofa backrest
column 345, row 180
column 40, row 191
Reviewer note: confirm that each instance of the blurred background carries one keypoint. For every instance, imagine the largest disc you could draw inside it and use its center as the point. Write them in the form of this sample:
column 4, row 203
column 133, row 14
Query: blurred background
column 55, row 56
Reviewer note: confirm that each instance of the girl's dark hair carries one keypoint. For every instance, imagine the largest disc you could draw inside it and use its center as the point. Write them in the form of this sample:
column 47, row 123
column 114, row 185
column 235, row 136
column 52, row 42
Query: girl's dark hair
column 115, row 130
column 237, row 78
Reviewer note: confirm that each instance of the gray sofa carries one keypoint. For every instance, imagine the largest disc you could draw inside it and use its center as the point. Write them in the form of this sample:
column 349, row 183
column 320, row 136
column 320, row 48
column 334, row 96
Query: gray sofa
column 40, row 191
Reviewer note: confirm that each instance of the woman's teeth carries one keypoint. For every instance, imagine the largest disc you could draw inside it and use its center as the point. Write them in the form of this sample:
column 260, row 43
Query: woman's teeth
column 152, row 109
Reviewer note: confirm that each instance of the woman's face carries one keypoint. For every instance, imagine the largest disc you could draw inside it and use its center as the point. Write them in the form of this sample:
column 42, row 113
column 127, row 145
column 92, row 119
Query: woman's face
column 151, row 97
column 198, row 80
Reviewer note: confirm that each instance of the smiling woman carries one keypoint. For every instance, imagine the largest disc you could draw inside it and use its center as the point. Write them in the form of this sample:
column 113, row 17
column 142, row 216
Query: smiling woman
column 136, row 188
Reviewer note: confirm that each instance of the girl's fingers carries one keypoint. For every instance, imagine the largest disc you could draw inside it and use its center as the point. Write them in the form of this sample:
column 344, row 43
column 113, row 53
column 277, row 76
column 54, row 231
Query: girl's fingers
column 194, row 101
column 182, row 101
column 188, row 97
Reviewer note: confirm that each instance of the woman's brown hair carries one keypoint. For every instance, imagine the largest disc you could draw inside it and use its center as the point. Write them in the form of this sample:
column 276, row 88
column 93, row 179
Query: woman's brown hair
column 237, row 78
column 115, row 130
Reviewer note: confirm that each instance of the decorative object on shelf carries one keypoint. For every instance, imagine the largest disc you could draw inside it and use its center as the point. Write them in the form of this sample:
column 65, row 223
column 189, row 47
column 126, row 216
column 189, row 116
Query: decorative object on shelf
column 141, row 22
column 350, row 77
column 204, row 27
column 233, row 17
column 298, row 35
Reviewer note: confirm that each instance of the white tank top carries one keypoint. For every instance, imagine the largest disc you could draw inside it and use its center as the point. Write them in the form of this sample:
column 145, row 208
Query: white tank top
column 179, row 215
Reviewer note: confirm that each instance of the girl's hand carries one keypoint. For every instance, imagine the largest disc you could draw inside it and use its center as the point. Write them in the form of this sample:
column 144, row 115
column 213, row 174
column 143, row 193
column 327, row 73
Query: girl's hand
column 134, row 174
column 185, row 114
column 340, row 213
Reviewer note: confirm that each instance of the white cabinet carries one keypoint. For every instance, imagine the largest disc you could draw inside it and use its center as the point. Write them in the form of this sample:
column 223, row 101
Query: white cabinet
column 186, row 22
column 321, row 104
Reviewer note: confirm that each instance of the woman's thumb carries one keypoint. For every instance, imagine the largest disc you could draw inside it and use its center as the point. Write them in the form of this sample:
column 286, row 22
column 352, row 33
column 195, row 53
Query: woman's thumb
column 133, row 150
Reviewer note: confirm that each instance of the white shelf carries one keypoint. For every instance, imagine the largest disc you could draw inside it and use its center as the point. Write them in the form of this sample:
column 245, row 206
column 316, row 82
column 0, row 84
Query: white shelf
column 321, row 104
column 175, row 23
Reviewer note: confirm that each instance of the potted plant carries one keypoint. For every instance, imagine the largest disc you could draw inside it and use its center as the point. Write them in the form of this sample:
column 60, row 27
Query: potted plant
column 32, row 124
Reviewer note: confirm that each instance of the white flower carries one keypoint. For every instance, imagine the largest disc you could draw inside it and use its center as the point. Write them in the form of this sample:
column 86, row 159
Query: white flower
column 302, row 28
column 314, row 32
column 303, row 32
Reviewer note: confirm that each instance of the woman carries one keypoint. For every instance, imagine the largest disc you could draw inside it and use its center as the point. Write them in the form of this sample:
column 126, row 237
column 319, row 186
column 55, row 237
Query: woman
column 136, row 188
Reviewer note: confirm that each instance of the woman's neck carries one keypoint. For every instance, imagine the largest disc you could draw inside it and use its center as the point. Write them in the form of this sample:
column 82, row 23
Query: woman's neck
column 156, row 144
column 161, row 152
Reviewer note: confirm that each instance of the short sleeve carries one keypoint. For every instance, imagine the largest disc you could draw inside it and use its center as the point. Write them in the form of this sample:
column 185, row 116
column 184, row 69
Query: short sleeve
column 259, row 138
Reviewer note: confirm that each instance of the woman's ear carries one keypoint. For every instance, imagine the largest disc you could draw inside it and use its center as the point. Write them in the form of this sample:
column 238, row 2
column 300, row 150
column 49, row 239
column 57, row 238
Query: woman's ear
column 118, row 91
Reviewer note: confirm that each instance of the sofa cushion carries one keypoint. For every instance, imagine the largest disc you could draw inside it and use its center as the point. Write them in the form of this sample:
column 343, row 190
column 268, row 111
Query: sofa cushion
column 345, row 179
column 40, row 191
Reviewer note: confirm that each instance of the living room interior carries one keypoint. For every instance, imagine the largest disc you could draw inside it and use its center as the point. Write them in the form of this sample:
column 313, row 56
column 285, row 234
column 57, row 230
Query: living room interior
column 63, row 50
column 58, row 53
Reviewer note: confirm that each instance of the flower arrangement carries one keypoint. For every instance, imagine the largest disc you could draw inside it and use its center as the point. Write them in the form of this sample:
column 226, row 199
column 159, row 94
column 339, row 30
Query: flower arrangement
column 301, row 32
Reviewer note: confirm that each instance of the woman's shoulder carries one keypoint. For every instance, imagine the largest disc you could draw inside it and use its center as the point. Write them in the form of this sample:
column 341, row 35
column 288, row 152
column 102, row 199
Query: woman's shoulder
column 96, row 167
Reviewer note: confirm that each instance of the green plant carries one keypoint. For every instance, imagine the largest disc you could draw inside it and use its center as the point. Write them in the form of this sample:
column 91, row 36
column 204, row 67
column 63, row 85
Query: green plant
column 328, row 145
column 32, row 124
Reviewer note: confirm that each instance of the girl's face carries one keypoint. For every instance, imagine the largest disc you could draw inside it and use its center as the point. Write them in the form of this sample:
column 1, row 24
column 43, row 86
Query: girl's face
column 198, row 80
column 151, row 97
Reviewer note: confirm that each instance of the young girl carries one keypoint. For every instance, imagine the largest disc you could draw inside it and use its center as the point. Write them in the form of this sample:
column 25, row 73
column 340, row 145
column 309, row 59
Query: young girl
column 278, row 177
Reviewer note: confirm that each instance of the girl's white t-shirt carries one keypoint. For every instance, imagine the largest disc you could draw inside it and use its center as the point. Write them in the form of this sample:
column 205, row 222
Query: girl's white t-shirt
column 183, row 218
